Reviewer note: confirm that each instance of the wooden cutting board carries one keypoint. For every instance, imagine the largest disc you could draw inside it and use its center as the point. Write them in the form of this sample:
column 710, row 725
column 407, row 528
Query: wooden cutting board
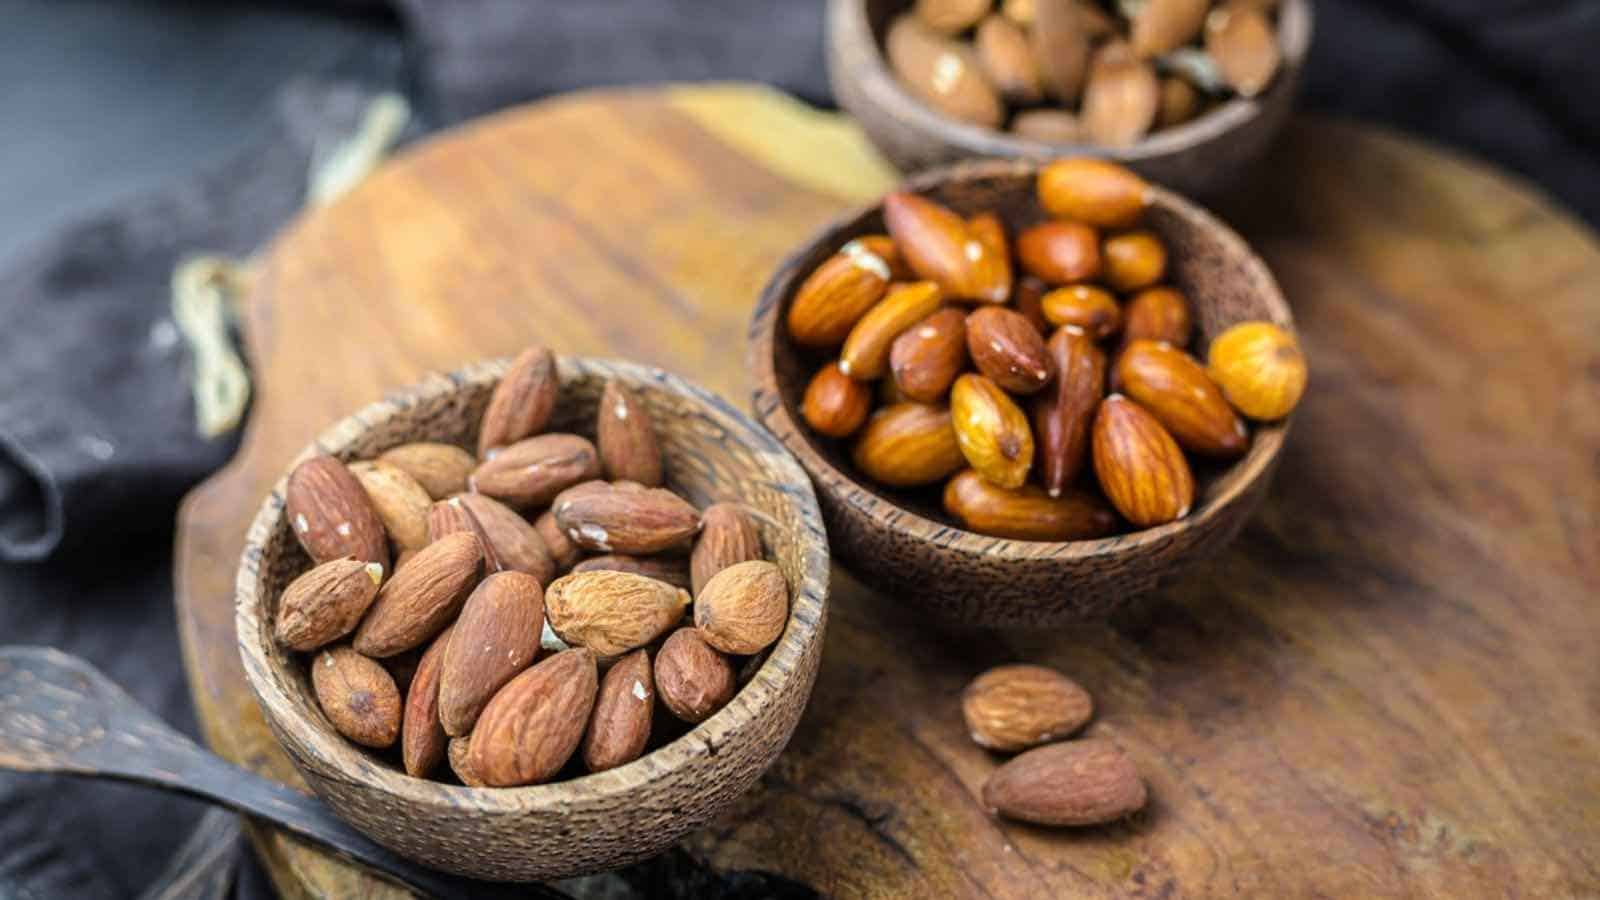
column 1388, row 686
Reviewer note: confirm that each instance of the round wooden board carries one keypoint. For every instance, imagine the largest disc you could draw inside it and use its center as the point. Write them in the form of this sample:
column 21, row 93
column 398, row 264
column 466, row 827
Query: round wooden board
column 1388, row 686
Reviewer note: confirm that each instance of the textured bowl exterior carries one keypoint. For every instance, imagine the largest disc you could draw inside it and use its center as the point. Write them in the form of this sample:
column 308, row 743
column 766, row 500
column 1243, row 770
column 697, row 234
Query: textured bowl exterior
column 905, row 546
column 594, row 822
column 1201, row 157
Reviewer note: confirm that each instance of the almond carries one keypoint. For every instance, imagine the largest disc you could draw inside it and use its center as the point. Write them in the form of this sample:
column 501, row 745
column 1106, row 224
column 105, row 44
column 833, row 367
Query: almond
column 991, row 431
column 423, row 739
column 951, row 16
column 908, row 444
column 1026, row 513
column 674, row 570
column 835, row 295
column 1050, row 126
column 743, row 608
column 727, row 537
column 326, row 603
column 1120, row 97
column 1161, row 26
column 626, row 521
column 835, row 404
column 1029, row 299
column 943, row 73
column 940, row 247
column 441, row 469
column 1241, row 40
column 401, row 502
column 331, row 514
column 612, row 612
column 562, row 550
column 619, row 728
column 531, row 472
column 1259, row 368
column 865, row 356
column 534, row 724
column 627, row 438
column 1061, row 47
column 1063, row 415
column 1095, row 192
column 1060, row 252
column 692, row 678
column 496, row 637
column 1011, row 708
column 522, row 402
column 459, row 752
column 1157, row 314
column 929, row 355
column 1008, row 349
column 989, row 275
column 1018, row 11
column 879, row 252
column 889, row 393
column 447, row 517
column 1133, row 260
column 358, row 696
column 1007, row 58
column 1180, row 102
column 512, row 542
column 1095, row 21
column 1086, row 307
column 1139, row 465
column 418, row 601
column 1174, row 388
column 1084, row 782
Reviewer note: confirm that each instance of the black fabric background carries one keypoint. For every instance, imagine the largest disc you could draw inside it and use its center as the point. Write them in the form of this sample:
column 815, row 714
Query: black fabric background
column 87, row 364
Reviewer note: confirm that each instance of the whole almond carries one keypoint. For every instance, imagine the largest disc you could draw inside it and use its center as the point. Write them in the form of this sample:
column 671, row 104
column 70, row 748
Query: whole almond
column 441, row 469
column 692, row 678
column 944, row 73
column 928, row 356
column 496, row 637
column 619, row 728
column 1134, row 260
column 534, row 724
column 743, row 608
column 908, row 444
column 459, row 752
column 865, row 355
column 326, row 603
column 1007, row 348
column 423, row 740
column 1015, row 707
column 1083, row 782
column 562, row 550
column 1120, row 97
column 1050, row 126
column 951, row 16
column 401, row 502
column 941, row 247
column 531, row 472
column 1174, row 387
column 618, row 520
column 881, row 254
column 1260, row 368
column 835, row 295
column 522, row 402
column 727, row 537
column 674, row 570
column 418, row 601
column 1063, row 415
column 1061, row 47
column 1161, row 26
column 1026, row 513
column 1157, row 314
column 1029, row 300
column 1241, row 40
column 992, row 432
column 989, row 275
column 612, row 612
column 1140, row 467
column 1060, row 252
column 357, row 695
column 1007, row 58
column 452, row 516
column 513, row 542
column 1083, row 306
column 626, row 437
column 835, row 404
column 331, row 515
column 1095, row 192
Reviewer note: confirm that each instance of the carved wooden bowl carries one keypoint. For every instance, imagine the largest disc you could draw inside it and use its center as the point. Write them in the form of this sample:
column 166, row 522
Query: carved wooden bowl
column 903, row 543
column 591, row 822
column 1199, row 157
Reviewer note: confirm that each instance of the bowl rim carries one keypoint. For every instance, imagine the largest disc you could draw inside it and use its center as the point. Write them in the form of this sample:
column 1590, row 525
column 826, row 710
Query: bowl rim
column 847, row 27
column 889, row 513
column 336, row 758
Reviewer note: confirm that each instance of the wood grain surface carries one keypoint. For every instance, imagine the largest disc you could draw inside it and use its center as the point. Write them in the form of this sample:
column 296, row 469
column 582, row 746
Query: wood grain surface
column 1386, row 687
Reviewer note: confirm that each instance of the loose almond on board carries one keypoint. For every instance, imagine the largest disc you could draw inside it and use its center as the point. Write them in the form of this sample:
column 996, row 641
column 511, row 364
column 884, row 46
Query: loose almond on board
column 835, row 295
column 326, row 603
column 357, row 695
column 991, row 431
column 1026, row 513
column 1064, row 414
column 417, row 602
column 496, row 636
column 742, row 609
column 514, row 543
column 1060, row 252
column 1092, row 191
column 612, row 613
column 617, row 520
column 626, row 437
column 1158, row 314
column 928, row 356
column 835, row 404
column 728, row 537
column 1087, row 307
column 1260, row 369
column 423, row 741
column 674, row 570
column 1174, row 388
column 1083, row 782
column 1139, row 465
column 331, row 515
column 619, row 727
column 531, row 472
column 1015, row 707
column 402, row 504
column 945, row 73
column 865, row 355
column 535, row 723
column 1007, row 349
column 522, row 402
column 907, row 445
column 692, row 678
column 441, row 469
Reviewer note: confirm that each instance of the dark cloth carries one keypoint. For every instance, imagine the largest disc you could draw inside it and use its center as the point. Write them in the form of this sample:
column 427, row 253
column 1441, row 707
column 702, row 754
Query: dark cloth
column 97, row 438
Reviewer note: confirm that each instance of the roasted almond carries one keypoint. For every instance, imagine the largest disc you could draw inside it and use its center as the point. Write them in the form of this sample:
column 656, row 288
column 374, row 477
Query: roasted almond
column 331, row 515
column 459, row 753
column 1018, row 11
column 522, row 402
column 890, row 394
column 940, row 247
column 1050, row 126
column 612, row 612
column 451, row 516
column 989, row 273
column 534, row 724
column 496, row 637
column 881, row 254
column 1140, row 467
column 619, row 728
column 943, row 73
column 1120, row 97
column 951, row 16
column 401, row 502
column 835, row 404
column 674, row 570
column 423, row 741
column 1063, row 415
column 1095, row 192
column 562, row 550
column 618, row 520
column 743, row 608
column 1026, row 513
column 865, row 355
column 1133, row 260
column 357, row 695
column 929, row 355
column 418, row 601
column 1259, row 368
column 626, row 437
column 1007, row 57
column 1161, row 26
column 1083, row 782
column 727, row 537
column 692, row 678
column 1241, row 40
column 441, row 469
column 1060, row 252
column 1157, row 314
column 514, row 543
column 991, row 430
column 908, row 444
column 1174, row 388
column 531, row 472
column 1029, row 300
column 1086, row 307
column 835, row 295
column 1008, row 349
column 1061, row 48
column 1015, row 707
column 326, row 603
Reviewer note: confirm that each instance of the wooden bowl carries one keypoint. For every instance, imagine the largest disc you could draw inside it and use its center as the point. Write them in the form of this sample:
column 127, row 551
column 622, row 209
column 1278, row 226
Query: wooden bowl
column 904, row 544
column 588, row 823
column 1199, row 157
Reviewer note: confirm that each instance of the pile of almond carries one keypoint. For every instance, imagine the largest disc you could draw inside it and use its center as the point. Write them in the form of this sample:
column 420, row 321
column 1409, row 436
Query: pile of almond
column 1027, row 709
column 1078, row 71
column 997, row 386
column 505, row 644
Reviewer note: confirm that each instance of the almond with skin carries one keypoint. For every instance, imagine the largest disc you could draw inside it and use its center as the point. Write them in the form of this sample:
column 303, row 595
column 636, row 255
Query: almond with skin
column 1140, row 467
column 418, row 601
column 743, row 608
column 619, row 727
column 1018, row 11
column 612, row 613
column 940, row 247
column 331, row 515
column 728, row 537
column 1061, row 47
column 928, row 356
column 1158, row 314
column 459, row 753
column 1260, row 369
column 626, row 437
column 326, row 603
column 441, row 469
column 907, row 445
column 535, row 723
column 1060, row 252
column 835, row 295
column 951, row 16
column 1015, row 707
column 1162, row 26
column 1133, row 260
column 1241, row 40
column 944, row 73
column 618, row 520
column 522, row 402
column 1121, row 96
column 531, row 472
column 1180, row 102
column 991, row 430
column 496, row 637
column 513, row 543
column 423, row 741
column 835, row 404
column 1008, row 350
column 674, row 570
column 889, row 393
column 692, row 678
column 1029, row 300
column 880, row 253
column 1174, row 387
column 1083, row 782
column 1007, row 58
column 447, row 517
column 401, row 502
column 1026, row 513
column 1086, row 307
column 1095, row 192
column 357, row 695
column 1050, row 126
column 1063, row 415
column 865, row 356
column 989, row 275
column 562, row 550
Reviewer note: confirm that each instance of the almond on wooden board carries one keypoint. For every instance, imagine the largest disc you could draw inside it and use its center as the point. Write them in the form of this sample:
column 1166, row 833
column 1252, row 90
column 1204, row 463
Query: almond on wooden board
column 1140, row 467
column 728, row 536
column 459, row 752
column 1174, row 387
column 1157, row 314
column 401, row 502
column 1061, row 47
column 514, row 543
column 1083, row 782
column 441, row 469
column 562, row 550
column 1093, row 191
column 1063, row 415
column 531, row 472
column 835, row 295
column 1060, row 252
column 674, row 570
column 533, row 725
column 928, row 356
column 626, row 437
column 692, row 678
column 619, row 727
column 944, row 73
column 835, row 404
column 742, row 609
column 1007, row 349
column 495, row 637
column 991, row 430
column 1011, row 708
column 522, row 402
column 865, row 355
column 331, row 515
column 423, row 740
column 1121, row 96
column 1007, row 58
column 621, row 520
column 908, row 444
column 1026, row 513
column 418, row 601
column 1084, row 306
column 326, row 603
column 612, row 613
column 358, row 696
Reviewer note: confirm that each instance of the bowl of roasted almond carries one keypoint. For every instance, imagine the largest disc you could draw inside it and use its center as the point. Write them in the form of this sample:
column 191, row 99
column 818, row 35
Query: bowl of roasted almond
column 1027, row 394
column 538, row 618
